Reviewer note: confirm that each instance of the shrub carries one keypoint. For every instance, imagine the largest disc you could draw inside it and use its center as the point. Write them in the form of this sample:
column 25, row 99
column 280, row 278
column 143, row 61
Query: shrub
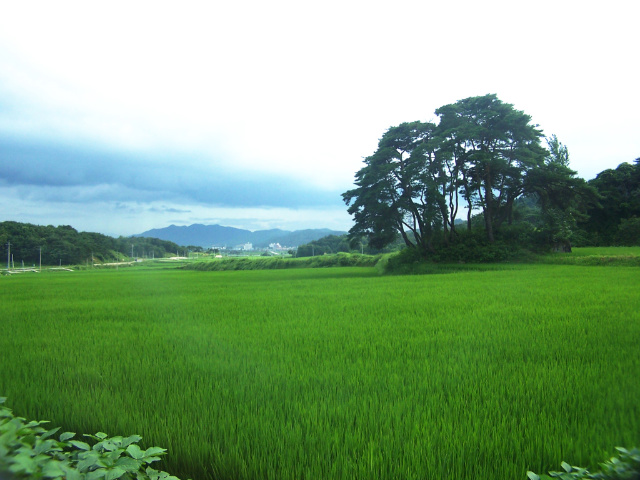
column 626, row 466
column 275, row 263
column 29, row 450
column 629, row 232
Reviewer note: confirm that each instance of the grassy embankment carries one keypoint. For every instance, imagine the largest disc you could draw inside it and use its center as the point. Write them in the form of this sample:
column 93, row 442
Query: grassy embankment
column 334, row 373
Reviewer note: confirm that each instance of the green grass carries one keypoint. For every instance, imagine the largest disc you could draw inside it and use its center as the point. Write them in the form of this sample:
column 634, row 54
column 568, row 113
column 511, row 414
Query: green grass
column 334, row 373
column 597, row 256
column 603, row 251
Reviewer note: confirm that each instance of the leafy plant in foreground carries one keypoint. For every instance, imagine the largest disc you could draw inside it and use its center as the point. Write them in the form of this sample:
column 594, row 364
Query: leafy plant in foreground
column 626, row 466
column 28, row 449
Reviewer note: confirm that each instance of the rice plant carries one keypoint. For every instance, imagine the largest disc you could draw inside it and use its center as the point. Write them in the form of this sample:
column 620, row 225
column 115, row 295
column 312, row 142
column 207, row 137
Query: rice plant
column 334, row 373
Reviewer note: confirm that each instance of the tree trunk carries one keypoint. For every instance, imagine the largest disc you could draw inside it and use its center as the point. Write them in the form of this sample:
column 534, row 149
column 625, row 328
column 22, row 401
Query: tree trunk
column 488, row 205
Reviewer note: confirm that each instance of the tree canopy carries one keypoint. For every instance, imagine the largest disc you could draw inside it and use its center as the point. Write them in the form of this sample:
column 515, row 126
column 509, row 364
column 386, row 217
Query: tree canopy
column 615, row 219
column 482, row 156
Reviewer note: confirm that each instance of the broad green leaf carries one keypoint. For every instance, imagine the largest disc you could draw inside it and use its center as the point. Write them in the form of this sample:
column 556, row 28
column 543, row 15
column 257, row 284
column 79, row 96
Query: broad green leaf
column 27, row 439
column 129, row 440
column 53, row 469
column 66, row 436
column 153, row 474
column 80, row 445
column 107, row 445
column 45, row 446
column 34, row 424
column 114, row 473
column 72, row 473
column 49, row 433
column 90, row 460
column 23, row 463
column 114, row 455
column 533, row 476
column 129, row 464
column 135, row 452
column 106, row 459
column 96, row 474
column 154, row 451
column 567, row 468
column 101, row 435
column 85, row 464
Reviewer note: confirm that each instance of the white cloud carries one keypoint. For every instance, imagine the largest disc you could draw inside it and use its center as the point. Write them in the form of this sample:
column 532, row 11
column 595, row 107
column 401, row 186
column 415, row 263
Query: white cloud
column 128, row 218
column 302, row 91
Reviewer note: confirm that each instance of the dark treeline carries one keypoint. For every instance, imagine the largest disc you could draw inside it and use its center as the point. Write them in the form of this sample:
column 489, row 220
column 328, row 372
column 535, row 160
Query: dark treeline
column 342, row 243
column 615, row 220
column 65, row 245
column 325, row 245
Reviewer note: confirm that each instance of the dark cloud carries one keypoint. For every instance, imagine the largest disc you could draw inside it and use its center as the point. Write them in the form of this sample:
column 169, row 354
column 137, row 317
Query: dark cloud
column 90, row 173
column 164, row 209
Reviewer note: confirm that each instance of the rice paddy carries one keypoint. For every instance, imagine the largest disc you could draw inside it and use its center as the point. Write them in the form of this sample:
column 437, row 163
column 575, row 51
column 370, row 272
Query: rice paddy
column 334, row 373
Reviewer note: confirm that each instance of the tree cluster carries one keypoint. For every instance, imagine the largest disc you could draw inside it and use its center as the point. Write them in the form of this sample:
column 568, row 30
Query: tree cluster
column 482, row 158
column 615, row 220
column 65, row 245
column 325, row 245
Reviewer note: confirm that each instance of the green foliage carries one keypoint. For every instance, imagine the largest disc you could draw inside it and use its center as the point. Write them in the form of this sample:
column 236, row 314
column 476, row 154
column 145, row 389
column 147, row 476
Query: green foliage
column 65, row 245
column 484, row 156
column 619, row 191
column 328, row 244
column 479, row 256
column 472, row 247
column 279, row 263
column 334, row 373
column 481, row 155
column 29, row 450
column 628, row 232
column 624, row 466
column 596, row 256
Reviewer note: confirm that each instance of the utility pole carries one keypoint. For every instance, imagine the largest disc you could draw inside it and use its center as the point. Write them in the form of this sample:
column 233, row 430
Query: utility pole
column 40, row 259
column 8, row 254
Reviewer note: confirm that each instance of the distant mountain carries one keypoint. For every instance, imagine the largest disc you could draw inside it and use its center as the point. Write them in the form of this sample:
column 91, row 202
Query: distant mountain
column 216, row 235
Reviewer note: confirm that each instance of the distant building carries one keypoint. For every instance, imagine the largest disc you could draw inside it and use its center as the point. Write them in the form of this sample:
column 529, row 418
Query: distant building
column 245, row 246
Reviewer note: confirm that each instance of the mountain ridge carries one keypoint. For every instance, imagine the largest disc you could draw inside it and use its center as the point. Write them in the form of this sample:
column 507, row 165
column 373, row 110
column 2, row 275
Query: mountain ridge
column 207, row 236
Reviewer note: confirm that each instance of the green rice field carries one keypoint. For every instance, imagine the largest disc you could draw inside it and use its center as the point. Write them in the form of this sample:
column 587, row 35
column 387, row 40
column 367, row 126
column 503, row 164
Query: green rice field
column 335, row 373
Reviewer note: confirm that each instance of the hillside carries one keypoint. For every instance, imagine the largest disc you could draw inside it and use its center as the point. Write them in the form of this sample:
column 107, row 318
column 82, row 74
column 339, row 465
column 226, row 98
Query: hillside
column 64, row 245
column 217, row 235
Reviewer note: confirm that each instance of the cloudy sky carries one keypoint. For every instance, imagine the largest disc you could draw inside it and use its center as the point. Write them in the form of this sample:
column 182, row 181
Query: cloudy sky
column 118, row 117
